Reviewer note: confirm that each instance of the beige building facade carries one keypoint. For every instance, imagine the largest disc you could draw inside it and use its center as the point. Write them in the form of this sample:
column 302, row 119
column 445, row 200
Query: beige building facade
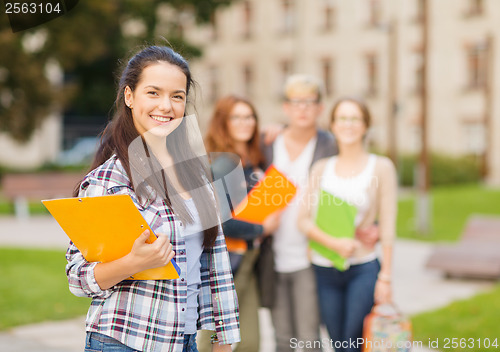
column 43, row 146
column 355, row 47
column 45, row 143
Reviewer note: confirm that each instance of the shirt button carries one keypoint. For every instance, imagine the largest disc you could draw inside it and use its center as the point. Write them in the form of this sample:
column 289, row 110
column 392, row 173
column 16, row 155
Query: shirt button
column 220, row 322
column 182, row 279
column 183, row 309
column 182, row 252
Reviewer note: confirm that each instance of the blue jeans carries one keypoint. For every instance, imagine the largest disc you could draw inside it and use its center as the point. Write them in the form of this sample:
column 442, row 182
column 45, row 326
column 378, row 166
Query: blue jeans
column 345, row 298
column 190, row 343
column 96, row 342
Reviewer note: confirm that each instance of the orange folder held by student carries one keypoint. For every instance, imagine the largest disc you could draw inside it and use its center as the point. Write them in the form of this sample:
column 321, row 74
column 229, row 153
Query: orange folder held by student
column 104, row 229
column 272, row 193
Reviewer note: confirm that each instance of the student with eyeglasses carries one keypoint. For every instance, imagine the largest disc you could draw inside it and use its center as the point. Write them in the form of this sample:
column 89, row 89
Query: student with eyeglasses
column 294, row 309
column 369, row 184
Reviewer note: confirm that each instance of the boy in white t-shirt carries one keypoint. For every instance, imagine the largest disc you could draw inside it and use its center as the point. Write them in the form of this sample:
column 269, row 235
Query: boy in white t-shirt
column 295, row 310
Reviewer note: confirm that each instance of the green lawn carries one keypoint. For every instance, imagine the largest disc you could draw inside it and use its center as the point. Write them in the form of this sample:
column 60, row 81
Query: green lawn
column 451, row 207
column 34, row 288
column 35, row 208
column 473, row 320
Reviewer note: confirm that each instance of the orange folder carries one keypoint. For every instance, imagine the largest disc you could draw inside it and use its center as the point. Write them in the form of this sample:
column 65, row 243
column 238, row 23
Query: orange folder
column 104, row 229
column 273, row 192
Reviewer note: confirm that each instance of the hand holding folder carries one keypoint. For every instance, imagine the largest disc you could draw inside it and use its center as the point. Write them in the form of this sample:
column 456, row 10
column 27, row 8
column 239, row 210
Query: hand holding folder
column 272, row 193
column 104, row 229
column 335, row 217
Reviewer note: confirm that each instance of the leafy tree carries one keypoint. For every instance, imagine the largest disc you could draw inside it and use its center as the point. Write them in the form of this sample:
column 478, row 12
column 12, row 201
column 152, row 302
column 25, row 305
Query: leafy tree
column 86, row 42
column 25, row 92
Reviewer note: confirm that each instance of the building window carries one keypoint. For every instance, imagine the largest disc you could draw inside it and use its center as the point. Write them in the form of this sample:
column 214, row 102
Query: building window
column 374, row 13
column 419, row 76
column 416, row 135
column 213, row 83
column 371, row 74
column 420, row 13
column 180, row 29
column 418, row 69
column 248, row 79
column 327, row 74
column 214, row 27
column 247, row 20
column 288, row 16
column 474, row 137
column 285, row 69
column 476, row 65
column 476, row 8
column 329, row 16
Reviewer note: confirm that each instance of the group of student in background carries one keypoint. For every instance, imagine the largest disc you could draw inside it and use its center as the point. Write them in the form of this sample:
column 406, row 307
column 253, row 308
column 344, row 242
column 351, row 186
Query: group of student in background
column 307, row 289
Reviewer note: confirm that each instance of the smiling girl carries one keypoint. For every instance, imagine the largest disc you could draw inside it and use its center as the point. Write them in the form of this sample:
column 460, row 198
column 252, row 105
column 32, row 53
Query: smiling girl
column 145, row 153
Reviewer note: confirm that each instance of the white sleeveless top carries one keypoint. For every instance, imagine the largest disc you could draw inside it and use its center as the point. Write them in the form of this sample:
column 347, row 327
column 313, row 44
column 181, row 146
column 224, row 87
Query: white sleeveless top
column 352, row 190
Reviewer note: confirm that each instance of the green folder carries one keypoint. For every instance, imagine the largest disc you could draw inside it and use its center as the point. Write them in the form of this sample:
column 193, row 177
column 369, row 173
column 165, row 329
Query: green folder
column 336, row 218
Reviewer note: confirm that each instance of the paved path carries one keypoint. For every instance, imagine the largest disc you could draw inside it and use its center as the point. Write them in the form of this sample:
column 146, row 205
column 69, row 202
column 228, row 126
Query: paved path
column 416, row 289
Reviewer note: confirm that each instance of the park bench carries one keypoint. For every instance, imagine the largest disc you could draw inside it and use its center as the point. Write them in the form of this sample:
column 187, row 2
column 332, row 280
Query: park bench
column 477, row 255
column 24, row 187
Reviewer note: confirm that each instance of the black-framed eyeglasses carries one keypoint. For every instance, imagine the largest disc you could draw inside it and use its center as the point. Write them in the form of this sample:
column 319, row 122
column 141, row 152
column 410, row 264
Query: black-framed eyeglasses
column 303, row 102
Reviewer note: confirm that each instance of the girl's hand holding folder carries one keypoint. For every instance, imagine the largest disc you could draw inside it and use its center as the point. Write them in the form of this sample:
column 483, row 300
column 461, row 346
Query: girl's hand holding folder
column 147, row 255
column 143, row 256
column 343, row 246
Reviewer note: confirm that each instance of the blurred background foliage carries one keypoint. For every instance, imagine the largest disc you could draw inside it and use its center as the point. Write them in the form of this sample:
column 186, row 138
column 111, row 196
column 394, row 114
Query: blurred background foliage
column 86, row 44
column 445, row 169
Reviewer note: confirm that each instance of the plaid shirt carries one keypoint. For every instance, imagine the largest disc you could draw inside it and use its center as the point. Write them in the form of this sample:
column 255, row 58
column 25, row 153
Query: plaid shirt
column 150, row 315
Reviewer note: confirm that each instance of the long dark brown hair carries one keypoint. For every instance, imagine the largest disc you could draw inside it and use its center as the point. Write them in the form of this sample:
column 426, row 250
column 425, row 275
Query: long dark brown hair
column 218, row 138
column 192, row 171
